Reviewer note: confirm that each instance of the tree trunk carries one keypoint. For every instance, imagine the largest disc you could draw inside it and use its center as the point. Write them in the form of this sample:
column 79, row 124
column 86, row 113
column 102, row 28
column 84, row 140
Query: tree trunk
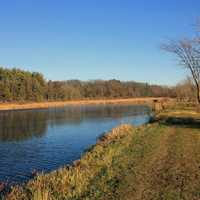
column 198, row 93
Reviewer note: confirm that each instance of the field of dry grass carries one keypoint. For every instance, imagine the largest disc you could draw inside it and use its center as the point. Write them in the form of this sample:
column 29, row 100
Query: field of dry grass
column 22, row 106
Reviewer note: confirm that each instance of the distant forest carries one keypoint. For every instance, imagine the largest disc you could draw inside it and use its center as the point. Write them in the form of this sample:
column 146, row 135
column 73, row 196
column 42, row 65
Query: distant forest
column 20, row 86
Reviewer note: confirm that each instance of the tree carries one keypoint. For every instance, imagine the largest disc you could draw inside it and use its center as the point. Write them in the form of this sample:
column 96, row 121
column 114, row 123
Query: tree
column 185, row 90
column 21, row 86
column 188, row 52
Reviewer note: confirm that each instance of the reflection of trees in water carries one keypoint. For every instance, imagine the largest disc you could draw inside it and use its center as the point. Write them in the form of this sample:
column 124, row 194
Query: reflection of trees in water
column 76, row 114
column 20, row 125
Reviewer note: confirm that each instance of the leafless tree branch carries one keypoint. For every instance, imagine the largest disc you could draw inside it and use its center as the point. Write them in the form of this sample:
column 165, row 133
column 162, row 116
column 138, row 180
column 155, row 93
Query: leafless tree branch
column 188, row 53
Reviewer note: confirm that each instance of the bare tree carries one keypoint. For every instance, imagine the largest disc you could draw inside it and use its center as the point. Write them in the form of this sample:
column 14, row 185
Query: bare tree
column 185, row 90
column 188, row 53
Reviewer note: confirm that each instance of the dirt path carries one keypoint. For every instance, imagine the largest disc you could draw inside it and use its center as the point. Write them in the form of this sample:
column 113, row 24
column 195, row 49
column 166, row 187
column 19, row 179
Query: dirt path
column 170, row 170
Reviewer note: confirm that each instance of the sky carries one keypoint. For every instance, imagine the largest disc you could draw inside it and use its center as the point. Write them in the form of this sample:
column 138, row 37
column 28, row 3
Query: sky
column 96, row 39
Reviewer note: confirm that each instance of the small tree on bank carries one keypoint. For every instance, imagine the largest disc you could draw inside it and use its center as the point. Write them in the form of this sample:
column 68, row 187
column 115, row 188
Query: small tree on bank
column 188, row 53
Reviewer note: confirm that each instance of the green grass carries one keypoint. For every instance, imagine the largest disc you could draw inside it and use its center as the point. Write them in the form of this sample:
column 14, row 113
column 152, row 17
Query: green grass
column 156, row 161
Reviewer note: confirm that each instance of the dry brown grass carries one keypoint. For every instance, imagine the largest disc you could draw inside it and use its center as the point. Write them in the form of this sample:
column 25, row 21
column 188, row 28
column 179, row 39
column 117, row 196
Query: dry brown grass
column 116, row 133
column 23, row 106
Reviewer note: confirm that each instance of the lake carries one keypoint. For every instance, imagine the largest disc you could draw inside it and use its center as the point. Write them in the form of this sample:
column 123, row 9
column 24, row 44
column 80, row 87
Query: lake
column 46, row 139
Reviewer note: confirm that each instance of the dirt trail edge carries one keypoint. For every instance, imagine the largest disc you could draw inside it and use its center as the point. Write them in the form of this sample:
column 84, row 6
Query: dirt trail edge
column 170, row 170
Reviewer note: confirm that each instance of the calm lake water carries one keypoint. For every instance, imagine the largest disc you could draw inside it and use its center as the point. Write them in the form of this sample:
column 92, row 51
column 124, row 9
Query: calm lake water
column 45, row 140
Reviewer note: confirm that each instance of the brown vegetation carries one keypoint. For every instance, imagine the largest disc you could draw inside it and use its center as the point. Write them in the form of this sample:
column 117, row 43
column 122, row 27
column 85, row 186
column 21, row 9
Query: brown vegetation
column 22, row 106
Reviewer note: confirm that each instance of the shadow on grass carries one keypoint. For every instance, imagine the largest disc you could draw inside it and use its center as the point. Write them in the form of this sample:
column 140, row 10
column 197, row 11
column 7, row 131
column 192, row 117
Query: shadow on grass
column 187, row 122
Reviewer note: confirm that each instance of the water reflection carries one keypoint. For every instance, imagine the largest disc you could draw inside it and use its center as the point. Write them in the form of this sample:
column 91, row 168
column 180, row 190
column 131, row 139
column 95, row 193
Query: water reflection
column 44, row 140
column 21, row 125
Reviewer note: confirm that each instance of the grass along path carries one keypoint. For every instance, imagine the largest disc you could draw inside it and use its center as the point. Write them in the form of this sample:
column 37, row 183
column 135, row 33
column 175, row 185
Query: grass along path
column 160, row 161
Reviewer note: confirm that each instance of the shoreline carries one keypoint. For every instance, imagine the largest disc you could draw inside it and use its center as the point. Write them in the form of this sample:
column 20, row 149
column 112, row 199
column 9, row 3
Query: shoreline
column 116, row 133
column 125, row 151
column 46, row 105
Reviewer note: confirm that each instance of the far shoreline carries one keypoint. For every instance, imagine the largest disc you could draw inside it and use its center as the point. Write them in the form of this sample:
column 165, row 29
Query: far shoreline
column 46, row 105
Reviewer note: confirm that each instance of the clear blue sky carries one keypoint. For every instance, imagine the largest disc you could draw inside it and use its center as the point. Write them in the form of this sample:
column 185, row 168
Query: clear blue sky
column 95, row 39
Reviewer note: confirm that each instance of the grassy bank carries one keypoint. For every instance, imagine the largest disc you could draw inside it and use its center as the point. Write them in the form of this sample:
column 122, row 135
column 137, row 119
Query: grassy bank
column 23, row 106
column 157, row 161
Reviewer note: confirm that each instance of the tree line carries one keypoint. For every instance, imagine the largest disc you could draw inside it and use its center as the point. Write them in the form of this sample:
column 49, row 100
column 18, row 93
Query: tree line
column 17, row 85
